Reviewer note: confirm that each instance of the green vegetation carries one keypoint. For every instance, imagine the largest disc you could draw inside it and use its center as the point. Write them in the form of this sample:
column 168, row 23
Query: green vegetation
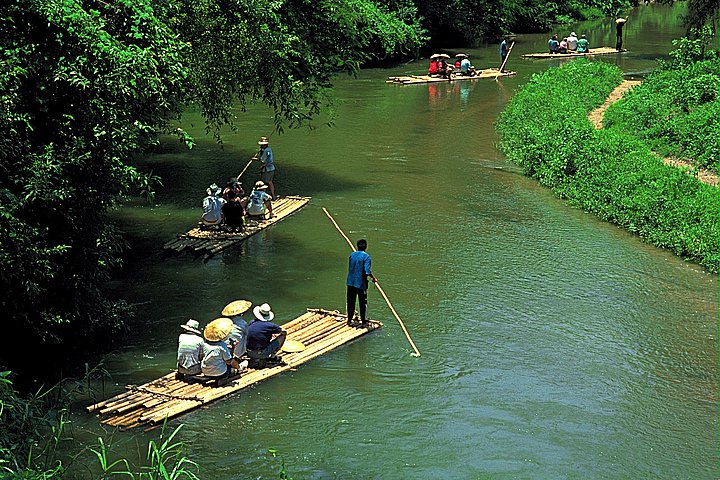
column 611, row 173
column 675, row 109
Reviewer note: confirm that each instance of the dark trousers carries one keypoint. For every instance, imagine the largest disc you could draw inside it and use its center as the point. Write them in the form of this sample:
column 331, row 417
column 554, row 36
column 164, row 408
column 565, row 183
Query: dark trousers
column 352, row 294
column 618, row 43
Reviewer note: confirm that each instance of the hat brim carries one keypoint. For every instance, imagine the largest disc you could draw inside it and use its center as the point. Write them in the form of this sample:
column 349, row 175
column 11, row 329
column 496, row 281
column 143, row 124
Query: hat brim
column 259, row 316
column 293, row 346
column 191, row 329
column 219, row 329
column 236, row 308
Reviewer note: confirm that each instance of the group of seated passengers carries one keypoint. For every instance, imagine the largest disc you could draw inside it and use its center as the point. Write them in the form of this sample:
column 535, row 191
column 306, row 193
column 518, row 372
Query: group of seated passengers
column 230, row 207
column 570, row 44
column 228, row 344
column 440, row 68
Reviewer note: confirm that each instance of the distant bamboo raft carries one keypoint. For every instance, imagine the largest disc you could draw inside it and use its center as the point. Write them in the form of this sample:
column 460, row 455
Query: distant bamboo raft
column 413, row 79
column 203, row 241
column 148, row 405
column 592, row 52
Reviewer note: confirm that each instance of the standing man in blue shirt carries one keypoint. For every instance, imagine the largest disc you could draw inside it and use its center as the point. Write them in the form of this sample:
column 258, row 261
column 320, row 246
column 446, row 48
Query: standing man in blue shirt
column 267, row 171
column 503, row 51
column 357, row 284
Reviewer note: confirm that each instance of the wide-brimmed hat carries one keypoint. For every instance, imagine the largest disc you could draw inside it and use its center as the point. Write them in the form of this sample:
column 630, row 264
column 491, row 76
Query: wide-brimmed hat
column 263, row 141
column 573, row 34
column 192, row 326
column 260, row 185
column 236, row 308
column 621, row 20
column 263, row 312
column 219, row 329
column 460, row 55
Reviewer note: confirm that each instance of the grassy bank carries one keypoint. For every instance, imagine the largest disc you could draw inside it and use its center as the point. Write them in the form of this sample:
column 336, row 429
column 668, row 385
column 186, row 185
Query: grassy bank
column 611, row 173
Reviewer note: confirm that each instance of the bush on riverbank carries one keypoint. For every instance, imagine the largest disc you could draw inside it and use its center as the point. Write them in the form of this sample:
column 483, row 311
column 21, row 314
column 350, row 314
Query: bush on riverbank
column 675, row 109
column 613, row 174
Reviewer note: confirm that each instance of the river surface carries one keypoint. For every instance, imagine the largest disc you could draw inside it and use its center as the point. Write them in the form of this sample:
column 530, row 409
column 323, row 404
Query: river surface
column 554, row 345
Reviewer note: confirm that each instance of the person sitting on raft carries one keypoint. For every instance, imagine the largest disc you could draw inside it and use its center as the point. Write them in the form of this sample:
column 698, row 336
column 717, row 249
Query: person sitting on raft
column 212, row 206
column 258, row 202
column 563, row 46
column 264, row 337
column 583, row 46
column 233, row 210
column 433, row 68
column 190, row 350
column 466, row 68
column 553, row 44
column 238, row 336
column 217, row 362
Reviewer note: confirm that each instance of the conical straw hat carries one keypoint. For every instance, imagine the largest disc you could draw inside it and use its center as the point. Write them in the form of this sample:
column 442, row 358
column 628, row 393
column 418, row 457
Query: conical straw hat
column 218, row 329
column 236, row 308
column 292, row 346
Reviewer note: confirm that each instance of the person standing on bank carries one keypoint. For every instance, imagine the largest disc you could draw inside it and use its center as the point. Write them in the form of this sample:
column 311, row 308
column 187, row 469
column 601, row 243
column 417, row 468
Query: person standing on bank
column 267, row 171
column 619, row 24
column 357, row 284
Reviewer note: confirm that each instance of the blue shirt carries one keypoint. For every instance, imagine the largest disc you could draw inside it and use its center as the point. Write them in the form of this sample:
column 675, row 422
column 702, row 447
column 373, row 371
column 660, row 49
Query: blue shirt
column 267, row 160
column 256, row 205
column 503, row 49
column 259, row 334
column 465, row 65
column 358, row 270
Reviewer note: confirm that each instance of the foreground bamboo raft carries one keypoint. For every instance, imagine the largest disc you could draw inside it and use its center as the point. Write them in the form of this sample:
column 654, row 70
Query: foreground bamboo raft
column 148, row 405
column 211, row 242
column 413, row 79
column 592, row 52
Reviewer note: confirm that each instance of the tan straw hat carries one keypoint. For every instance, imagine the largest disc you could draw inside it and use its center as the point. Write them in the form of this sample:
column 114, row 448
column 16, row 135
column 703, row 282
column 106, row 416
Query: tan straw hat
column 260, row 185
column 236, row 308
column 264, row 312
column 263, row 141
column 292, row 346
column 219, row 329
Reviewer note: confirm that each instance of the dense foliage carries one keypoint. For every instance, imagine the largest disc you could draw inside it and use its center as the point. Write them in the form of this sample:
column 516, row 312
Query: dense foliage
column 611, row 173
column 675, row 109
column 85, row 85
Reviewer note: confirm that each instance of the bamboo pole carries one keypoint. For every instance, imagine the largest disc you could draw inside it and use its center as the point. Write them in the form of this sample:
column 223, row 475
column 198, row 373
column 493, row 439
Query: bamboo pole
column 416, row 352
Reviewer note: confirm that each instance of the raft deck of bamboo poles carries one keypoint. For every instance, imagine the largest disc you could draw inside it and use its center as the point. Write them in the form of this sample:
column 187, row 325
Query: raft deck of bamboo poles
column 414, row 79
column 203, row 241
column 148, row 405
column 593, row 51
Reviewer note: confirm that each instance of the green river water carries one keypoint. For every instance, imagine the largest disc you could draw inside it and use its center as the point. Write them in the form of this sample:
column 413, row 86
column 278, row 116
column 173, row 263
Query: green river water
column 554, row 345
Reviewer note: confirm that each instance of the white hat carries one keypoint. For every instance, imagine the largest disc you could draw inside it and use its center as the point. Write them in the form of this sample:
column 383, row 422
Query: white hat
column 264, row 312
column 573, row 34
column 192, row 326
column 263, row 141
column 214, row 190
column 260, row 185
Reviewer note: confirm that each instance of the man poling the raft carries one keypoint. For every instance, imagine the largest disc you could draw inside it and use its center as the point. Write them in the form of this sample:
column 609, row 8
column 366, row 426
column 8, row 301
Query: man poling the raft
column 416, row 352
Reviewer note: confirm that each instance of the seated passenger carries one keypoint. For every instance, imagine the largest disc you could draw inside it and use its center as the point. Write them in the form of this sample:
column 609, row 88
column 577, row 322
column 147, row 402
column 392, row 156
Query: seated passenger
column 433, row 68
column 563, row 46
column 466, row 68
column 190, row 350
column 238, row 335
column 553, row 44
column 217, row 360
column 233, row 210
column 212, row 206
column 583, row 46
column 258, row 202
column 265, row 338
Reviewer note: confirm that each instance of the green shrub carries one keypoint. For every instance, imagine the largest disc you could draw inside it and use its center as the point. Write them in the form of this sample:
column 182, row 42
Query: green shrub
column 612, row 172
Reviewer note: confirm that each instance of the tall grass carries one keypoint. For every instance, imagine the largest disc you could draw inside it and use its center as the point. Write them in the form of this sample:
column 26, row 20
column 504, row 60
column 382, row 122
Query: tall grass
column 611, row 173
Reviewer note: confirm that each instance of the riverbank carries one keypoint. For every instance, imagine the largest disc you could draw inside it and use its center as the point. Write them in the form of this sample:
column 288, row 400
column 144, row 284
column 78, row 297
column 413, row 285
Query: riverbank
column 612, row 173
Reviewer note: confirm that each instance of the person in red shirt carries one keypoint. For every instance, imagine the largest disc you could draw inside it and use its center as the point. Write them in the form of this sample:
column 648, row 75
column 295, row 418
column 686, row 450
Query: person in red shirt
column 433, row 69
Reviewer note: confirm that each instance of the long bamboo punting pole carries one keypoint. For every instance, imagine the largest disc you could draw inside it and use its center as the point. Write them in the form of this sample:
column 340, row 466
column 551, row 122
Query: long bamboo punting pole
column 416, row 352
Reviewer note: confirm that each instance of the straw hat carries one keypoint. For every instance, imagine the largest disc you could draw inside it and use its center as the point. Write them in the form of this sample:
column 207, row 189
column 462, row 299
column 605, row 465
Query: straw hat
column 219, row 329
column 237, row 307
column 292, row 346
column 573, row 34
column 264, row 312
column 263, row 141
column 214, row 190
column 621, row 20
column 192, row 326
column 260, row 185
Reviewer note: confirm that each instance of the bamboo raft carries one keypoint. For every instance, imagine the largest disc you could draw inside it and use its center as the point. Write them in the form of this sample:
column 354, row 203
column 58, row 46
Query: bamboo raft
column 210, row 242
column 414, row 79
column 592, row 52
column 148, row 405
